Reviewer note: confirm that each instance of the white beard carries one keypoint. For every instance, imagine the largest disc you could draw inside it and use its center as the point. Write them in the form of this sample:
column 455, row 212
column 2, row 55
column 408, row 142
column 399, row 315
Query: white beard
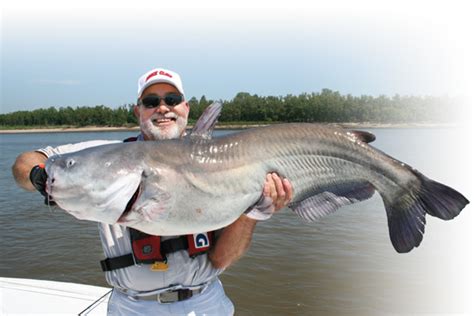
column 167, row 132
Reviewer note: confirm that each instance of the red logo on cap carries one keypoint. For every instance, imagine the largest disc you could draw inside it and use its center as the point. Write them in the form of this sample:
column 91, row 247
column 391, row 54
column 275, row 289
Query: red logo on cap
column 154, row 73
column 165, row 74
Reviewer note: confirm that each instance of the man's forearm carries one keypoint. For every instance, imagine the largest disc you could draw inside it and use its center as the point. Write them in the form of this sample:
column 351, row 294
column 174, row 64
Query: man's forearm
column 22, row 167
column 233, row 242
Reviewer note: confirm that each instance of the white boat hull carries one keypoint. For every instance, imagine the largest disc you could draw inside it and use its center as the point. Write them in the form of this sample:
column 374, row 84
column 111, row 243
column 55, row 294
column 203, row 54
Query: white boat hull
column 28, row 297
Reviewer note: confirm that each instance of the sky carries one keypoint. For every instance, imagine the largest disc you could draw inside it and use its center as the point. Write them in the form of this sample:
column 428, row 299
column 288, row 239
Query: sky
column 53, row 54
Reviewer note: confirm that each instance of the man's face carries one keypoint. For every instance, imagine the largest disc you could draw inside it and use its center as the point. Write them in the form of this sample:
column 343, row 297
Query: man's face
column 163, row 121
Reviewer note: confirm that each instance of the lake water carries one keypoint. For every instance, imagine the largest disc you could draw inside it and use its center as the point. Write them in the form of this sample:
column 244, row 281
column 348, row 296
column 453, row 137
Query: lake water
column 342, row 265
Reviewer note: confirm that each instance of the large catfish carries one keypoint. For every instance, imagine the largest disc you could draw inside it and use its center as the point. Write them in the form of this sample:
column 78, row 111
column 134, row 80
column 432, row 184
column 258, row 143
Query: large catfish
column 201, row 184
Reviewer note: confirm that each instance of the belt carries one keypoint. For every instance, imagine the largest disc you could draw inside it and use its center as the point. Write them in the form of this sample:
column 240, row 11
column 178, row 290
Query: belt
column 171, row 296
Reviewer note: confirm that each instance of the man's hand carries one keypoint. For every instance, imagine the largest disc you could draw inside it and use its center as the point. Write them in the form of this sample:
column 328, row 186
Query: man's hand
column 279, row 190
column 38, row 178
column 277, row 193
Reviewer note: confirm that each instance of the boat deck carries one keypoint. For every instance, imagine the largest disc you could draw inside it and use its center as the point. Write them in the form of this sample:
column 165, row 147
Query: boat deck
column 28, row 297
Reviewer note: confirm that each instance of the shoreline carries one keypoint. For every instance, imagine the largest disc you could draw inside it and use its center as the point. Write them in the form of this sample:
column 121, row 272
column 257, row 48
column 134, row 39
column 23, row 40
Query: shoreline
column 69, row 130
column 230, row 126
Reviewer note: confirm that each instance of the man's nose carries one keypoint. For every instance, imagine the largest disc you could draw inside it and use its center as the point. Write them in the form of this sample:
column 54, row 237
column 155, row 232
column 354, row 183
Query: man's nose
column 162, row 108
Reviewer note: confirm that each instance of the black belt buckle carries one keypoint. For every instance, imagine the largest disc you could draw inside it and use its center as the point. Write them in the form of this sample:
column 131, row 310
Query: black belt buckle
column 175, row 296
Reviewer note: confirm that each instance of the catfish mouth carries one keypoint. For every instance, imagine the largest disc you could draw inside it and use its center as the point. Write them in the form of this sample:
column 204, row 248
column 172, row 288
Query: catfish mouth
column 128, row 208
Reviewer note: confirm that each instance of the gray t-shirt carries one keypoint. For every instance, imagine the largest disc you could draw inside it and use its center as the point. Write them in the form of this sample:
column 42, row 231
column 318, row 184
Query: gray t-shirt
column 139, row 279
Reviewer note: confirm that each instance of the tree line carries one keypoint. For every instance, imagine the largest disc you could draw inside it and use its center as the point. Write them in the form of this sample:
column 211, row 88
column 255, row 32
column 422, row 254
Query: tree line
column 326, row 106
column 99, row 115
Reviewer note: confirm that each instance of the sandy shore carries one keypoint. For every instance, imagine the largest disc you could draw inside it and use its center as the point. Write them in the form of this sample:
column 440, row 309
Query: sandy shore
column 136, row 128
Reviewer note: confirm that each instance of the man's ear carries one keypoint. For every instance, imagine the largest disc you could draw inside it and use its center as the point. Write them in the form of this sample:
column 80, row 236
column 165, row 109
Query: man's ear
column 136, row 111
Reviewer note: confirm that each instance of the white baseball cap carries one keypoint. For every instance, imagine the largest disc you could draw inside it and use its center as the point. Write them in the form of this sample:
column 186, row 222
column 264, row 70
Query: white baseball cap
column 158, row 75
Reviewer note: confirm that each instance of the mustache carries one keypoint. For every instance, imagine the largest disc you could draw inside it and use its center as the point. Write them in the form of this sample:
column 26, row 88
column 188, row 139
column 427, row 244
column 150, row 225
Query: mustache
column 169, row 115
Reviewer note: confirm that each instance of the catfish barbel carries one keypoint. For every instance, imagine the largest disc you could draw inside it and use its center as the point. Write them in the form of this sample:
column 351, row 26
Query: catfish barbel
column 196, row 184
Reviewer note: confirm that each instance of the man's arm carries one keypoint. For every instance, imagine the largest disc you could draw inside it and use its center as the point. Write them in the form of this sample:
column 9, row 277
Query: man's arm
column 22, row 167
column 235, row 239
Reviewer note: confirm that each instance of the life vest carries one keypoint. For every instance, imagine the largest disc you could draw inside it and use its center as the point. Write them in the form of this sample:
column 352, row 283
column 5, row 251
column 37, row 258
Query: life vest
column 150, row 249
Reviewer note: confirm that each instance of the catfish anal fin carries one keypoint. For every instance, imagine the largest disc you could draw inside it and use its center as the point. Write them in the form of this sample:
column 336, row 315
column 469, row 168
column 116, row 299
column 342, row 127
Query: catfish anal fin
column 319, row 205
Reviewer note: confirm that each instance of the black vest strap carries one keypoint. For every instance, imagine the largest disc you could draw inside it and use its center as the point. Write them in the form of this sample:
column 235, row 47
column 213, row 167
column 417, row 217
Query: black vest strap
column 175, row 244
column 110, row 264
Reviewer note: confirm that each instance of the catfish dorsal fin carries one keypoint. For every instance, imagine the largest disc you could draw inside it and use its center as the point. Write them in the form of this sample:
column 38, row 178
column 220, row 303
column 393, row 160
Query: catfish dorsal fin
column 206, row 122
column 364, row 136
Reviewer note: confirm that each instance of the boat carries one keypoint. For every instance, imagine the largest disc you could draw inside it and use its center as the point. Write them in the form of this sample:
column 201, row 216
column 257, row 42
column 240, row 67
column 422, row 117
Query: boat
column 31, row 297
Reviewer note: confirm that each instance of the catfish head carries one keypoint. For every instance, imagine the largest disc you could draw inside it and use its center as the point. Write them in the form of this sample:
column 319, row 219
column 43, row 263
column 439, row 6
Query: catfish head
column 95, row 183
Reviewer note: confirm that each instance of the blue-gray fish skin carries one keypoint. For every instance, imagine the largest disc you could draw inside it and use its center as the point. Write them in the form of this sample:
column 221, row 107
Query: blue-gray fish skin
column 190, row 186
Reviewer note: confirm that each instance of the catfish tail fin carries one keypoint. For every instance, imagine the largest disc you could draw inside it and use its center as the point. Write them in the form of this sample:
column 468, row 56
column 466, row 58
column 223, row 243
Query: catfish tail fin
column 406, row 213
column 441, row 201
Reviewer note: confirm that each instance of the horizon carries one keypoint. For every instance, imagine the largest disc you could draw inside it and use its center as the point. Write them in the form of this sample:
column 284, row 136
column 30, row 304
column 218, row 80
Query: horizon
column 197, row 98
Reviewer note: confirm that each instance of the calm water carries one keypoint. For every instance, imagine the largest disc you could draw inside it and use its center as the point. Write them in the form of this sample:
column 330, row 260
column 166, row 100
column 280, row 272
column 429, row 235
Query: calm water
column 344, row 264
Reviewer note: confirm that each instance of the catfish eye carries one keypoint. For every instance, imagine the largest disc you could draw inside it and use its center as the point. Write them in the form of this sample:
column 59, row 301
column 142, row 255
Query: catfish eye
column 70, row 162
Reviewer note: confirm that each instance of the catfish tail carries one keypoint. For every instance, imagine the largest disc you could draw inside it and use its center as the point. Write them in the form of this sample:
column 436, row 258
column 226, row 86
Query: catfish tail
column 406, row 214
column 441, row 201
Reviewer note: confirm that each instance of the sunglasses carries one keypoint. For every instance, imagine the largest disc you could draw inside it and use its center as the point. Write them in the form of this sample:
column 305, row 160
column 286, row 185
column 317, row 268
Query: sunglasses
column 153, row 100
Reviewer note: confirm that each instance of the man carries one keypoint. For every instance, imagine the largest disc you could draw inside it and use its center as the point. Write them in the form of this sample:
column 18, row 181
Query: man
column 178, row 278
